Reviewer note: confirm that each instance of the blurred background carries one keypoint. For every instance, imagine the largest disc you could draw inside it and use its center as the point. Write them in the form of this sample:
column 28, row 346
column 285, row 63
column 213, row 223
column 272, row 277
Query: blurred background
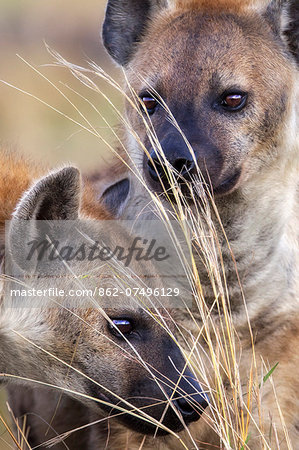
column 73, row 29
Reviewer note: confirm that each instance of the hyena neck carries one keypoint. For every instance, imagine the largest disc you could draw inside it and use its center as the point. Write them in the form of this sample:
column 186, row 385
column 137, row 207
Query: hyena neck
column 261, row 226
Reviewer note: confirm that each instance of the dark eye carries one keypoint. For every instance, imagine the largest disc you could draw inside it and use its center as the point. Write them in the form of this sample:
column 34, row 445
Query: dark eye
column 121, row 326
column 149, row 102
column 233, row 101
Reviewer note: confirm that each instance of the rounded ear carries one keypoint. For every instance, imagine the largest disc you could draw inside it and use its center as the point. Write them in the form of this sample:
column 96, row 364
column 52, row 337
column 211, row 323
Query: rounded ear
column 116, row 196
column 283, row 17
column 113, row 196
column 125, row 23
column 291, row 30
column 54, row 197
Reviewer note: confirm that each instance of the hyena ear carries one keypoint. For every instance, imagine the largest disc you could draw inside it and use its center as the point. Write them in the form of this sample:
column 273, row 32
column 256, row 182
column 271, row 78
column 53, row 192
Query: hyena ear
column 283, row 17
column 291, row 31
column 116, row 196
column 54, row 197
column 124, row 24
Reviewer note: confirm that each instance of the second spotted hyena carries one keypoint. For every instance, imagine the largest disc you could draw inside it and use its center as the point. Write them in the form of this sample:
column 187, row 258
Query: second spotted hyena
column 228, row 72
column 107, row 354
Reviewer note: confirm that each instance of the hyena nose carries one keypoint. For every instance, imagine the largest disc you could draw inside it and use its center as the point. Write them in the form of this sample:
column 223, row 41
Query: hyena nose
column 190, row 409
column 190, row 401
column 178, row 156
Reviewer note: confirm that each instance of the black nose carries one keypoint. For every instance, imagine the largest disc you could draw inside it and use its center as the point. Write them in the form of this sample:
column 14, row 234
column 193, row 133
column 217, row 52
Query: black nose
column 158, row 169
column 177, row 154
column 189, row 399
column 191, row 407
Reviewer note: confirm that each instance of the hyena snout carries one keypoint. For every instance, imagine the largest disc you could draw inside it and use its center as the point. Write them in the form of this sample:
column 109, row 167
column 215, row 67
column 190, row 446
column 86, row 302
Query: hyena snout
column 175, row 152
column 189, row 399
column 188, row 162
column 176, row 400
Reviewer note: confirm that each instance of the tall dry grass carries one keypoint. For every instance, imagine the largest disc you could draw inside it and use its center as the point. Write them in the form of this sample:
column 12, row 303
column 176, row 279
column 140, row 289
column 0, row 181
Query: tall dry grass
column 206, row 334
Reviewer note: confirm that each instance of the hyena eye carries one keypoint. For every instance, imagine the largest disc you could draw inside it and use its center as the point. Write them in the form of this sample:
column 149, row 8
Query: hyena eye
column 149, row 102
column 121, row 326
column 233, row 101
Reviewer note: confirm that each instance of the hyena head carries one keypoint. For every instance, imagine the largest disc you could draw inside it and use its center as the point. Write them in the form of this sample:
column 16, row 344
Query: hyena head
column 226, row 70
column 120, row 355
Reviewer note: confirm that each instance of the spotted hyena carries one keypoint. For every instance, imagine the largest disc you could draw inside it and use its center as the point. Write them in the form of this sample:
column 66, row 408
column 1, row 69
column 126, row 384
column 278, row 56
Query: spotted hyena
column 106, row 358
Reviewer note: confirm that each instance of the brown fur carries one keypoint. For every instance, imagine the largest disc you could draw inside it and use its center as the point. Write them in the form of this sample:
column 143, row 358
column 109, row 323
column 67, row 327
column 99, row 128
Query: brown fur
column 18, row 174
column 234, row 6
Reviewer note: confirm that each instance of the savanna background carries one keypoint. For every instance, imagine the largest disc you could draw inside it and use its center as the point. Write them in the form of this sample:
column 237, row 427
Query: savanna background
column 74, row 30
